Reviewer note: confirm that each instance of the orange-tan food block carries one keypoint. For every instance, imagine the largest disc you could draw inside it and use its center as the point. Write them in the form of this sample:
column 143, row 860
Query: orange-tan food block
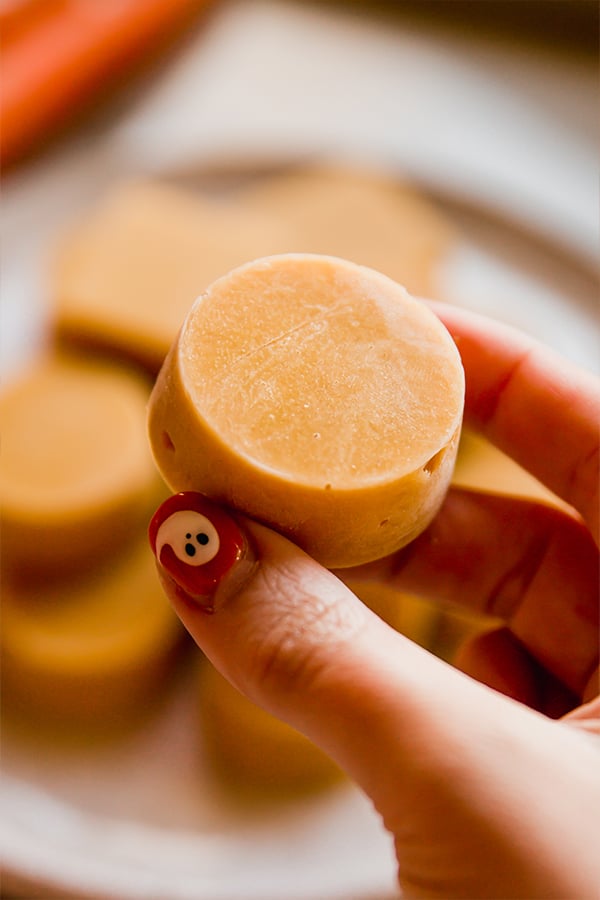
column 317, row 396
column 481, row 466
column 76, row 477
column 92, row 648
column 125, row 278
column 360, row 215
column 251, row 748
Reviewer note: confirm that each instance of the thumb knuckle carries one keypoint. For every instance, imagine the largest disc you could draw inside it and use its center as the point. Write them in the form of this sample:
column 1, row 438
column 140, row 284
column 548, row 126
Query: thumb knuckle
column 295, row 645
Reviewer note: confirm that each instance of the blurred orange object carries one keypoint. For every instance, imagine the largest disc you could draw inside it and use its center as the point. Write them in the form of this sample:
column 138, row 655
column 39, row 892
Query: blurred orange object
column 57, row 54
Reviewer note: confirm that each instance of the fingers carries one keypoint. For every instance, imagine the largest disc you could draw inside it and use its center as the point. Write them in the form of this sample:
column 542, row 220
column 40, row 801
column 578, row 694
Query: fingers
column 497, row 658
column 427, row 744
column 586, row 717
column 537, row 407
column 294, row 639
column 531, row 565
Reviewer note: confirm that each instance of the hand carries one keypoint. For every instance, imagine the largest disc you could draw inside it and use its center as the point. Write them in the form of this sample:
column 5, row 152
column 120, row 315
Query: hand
column 485, row 791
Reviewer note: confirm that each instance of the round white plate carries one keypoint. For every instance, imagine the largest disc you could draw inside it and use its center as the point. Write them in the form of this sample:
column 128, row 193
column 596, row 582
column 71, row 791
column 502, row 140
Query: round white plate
column 139, row 815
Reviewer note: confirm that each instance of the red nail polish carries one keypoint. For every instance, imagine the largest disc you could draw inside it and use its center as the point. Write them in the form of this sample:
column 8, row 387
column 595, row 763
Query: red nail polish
column 196, row 543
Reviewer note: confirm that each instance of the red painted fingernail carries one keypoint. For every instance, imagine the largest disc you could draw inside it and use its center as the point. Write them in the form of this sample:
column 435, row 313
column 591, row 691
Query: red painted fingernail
column 196, row 544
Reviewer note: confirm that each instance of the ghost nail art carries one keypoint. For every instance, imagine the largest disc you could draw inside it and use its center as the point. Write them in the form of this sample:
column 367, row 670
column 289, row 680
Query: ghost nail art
column 196, row 543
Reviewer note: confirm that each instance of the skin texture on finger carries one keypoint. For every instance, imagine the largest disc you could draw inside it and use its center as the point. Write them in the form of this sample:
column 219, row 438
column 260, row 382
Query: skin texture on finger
column 529, row 564
column 534, row 405
column 427, row 744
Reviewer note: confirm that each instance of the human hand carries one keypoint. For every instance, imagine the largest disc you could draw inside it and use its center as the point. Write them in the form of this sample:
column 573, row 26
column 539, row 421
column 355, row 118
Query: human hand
column 485, row 791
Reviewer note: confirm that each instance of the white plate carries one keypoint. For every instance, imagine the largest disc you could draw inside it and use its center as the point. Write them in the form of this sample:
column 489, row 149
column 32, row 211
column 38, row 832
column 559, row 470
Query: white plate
column 141, row 817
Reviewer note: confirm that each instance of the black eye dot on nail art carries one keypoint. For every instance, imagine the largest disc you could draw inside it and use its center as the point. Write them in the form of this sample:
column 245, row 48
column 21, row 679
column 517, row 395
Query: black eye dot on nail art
column 202, row 538
column 190, row 549
column 188, row 536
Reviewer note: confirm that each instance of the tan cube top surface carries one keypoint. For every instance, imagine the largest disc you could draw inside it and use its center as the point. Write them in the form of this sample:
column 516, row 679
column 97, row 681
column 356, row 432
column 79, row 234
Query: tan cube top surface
column 362, row 215
column 129, row 274
column 126, row 276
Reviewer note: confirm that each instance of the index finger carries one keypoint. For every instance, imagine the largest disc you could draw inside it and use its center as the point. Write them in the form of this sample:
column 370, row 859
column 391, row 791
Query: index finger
column 537, row 407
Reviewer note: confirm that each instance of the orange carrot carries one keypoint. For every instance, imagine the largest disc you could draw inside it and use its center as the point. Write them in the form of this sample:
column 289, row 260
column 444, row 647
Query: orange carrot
column 55, row 57
column 13, row 13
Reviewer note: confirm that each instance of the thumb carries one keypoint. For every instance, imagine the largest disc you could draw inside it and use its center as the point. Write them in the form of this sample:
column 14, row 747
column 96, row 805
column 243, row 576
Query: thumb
column 430, row 746
column 293, row 638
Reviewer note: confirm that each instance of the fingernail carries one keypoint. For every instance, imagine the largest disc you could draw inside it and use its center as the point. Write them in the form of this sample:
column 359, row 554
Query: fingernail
column 198, row 547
